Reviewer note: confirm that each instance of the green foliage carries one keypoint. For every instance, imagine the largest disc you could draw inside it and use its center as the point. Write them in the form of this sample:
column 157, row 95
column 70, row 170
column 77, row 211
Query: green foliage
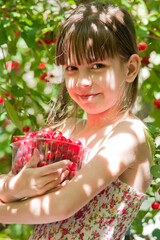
column 29, row 81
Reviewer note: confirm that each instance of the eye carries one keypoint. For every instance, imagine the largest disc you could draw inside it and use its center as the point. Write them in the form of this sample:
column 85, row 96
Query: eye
column 98, row 66
column 71, row 68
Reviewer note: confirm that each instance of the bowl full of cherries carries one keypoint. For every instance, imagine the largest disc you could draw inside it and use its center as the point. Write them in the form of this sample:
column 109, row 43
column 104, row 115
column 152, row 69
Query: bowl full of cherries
column 52, row 146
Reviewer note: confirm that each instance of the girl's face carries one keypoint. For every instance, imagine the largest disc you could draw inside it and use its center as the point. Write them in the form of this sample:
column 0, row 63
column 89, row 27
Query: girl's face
column 96, row 87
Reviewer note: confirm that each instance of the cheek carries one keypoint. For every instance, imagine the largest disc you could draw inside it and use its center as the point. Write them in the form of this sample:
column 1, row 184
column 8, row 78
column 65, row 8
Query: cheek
column 70, row 83
column 114, row 81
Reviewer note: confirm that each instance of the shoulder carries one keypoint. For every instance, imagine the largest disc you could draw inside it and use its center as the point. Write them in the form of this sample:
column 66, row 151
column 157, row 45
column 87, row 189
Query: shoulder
column 130, row 131
column 127, row 143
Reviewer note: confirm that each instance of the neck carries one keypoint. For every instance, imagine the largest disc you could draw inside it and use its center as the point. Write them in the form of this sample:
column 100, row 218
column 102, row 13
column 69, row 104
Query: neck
column 110, row 117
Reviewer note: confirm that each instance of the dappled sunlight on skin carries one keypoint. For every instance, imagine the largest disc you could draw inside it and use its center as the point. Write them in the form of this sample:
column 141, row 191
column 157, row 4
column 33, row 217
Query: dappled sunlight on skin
column 78, row 178
column 44, row 204
column 71, row 83
column 13, row 211
column 100, row 182
column 102, row 168
column 110, row 79
column 91, row 138
column 35, row 206
column 12, row 183
column 87, row 189
column 100, row 138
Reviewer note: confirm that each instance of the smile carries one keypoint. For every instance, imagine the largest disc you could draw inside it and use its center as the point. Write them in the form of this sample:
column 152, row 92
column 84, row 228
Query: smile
column 88, row 97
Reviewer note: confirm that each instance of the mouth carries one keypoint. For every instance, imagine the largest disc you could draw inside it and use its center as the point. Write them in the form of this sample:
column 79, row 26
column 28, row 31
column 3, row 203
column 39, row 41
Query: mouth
column 88, row 96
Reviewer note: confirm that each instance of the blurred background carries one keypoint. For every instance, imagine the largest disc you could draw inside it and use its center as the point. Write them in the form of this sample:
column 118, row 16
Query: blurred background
column 30, row 80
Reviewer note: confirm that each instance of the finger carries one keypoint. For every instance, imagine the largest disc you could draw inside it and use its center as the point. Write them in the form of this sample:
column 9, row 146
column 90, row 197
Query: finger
column 64, row 183
column 45, row 179
column 54, row 184
column 64, row 175
column 34, row 159
column 54, row 167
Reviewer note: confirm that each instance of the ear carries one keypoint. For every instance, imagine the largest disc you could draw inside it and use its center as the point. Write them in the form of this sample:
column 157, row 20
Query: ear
column 133, row 66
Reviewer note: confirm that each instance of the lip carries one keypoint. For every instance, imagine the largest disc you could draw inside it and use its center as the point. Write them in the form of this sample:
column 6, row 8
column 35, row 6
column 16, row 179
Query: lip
column 87, row 96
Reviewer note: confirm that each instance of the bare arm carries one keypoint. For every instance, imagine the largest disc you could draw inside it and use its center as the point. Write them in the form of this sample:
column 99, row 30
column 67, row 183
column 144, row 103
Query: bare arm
column 106, row 166
column 32, row 181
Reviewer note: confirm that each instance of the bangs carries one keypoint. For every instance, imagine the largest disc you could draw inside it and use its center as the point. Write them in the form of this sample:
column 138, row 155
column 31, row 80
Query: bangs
column 85, row 40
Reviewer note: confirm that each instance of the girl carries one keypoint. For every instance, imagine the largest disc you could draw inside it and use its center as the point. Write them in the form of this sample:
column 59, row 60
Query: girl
column 97, row 48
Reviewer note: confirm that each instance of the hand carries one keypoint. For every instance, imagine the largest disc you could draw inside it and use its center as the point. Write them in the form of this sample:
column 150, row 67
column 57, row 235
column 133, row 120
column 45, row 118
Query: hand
column 59, row 186
column 32, row 181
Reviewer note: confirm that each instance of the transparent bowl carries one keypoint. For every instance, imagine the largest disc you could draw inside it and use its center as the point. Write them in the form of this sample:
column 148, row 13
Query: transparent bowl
column 51, row 151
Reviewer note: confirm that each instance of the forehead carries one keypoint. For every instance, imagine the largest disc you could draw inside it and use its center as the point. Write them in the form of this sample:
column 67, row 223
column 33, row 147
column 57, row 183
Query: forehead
column 88, row 35
column 85, row 43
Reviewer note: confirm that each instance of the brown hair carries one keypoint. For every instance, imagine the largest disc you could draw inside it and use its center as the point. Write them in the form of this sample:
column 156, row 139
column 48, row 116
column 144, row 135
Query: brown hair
column 94, row 32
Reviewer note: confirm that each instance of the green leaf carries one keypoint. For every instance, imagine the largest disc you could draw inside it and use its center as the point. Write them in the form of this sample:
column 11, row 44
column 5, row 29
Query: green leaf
column 12, row 114
column 12, row 48
column 17, row 132
column 126, row 3
column 17, row 91
column 155, row 171
column 156, row 233
column 29, row 37
column 3, row 116
column 142, row 31
column 3, row 38
column 142, row 12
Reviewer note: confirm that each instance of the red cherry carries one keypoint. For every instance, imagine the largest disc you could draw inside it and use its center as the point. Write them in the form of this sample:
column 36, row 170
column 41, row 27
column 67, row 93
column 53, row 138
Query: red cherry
column 145, row 60
column 49, row 154
column 159, row 191
column 53, row 40
column 57, row 153
column 69, row 140
column 51, row 76
column 76, row 158
column 9, row 65
column 7, row 94
column 15, row 139
column 63, row 139
column 16, row 64
column 42, row 134
column 22, row 138
column 43, row 163
column 16, row 33
column 26, row 129
column 155, row 205
column 73, row 166
column 30, row 134
column 42, row 65
column 28, row 156
column 72, row 174
column 142, row 46
column 57, row 135
column 48, row 130
column 43, row 76
column 39, row 42
column 77, row 142
column 156, row 103
column 47, row 33
column 20, row 162
column 147, row 238
column 1, row 99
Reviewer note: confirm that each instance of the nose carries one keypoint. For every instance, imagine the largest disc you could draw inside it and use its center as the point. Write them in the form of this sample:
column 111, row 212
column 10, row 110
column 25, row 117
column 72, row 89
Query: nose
column 84, row 81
